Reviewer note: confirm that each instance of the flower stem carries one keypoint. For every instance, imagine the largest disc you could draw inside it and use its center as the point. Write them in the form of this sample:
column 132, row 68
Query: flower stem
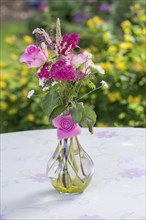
column 80, row 157
column 89, row 92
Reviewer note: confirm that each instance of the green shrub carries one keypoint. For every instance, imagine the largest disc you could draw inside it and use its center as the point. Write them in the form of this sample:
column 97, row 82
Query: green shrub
column 123, row 58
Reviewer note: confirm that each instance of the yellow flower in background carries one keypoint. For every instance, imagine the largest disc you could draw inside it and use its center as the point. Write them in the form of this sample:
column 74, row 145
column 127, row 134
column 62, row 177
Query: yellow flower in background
column 107, row 36
column 114, row 96
column 27, row 39
column 112, row 48
column 126, row 24
column 143, row 31
column 31, row 118
column 107, row 66
column 12, row 111
column 96, row 20
column 126, row 45
column 14, row 56
column 129, row 38
column 121, row 66
column 3, row 85
column 13, row 97
column 139, row 66
column 142, row 16
column 100, row 124
column 136, row 99
column 24, row 94
column 3, row 105
column 24, row 72
column 2, row 64
column 4, row 76
column 10, row 39
column 23, row 81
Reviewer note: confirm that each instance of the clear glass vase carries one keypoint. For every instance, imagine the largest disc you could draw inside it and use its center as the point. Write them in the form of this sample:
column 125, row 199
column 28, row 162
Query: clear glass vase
column 70, row 169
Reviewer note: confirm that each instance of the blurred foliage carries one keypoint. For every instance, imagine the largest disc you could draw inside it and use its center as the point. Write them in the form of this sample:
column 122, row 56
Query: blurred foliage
column 123, row 59
column 121, row 55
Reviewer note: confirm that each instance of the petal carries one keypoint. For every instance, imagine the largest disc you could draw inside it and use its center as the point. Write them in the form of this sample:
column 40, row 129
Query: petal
column 36, row 63
column 44, row 48
column 56, row 121
column 24, row 58
column 62, row 134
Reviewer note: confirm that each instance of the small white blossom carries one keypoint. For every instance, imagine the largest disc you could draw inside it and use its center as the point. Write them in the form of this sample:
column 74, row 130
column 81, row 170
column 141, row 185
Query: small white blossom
column 30, row 93
column 104, row 84
column 46, row 88
column 98, row 68
column 54, row 83
column 88, row 55
column 42, row 82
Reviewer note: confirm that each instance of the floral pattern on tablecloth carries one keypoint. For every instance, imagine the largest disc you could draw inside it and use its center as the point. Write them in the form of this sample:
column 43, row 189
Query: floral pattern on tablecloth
column 116, row 192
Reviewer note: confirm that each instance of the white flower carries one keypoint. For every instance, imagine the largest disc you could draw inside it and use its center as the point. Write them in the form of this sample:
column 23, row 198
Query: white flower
column 98, row 68
column 54, row 83
column 30, row 93
column 46, row 88
column 42, row 82
column 88, row 55
column 104, row 84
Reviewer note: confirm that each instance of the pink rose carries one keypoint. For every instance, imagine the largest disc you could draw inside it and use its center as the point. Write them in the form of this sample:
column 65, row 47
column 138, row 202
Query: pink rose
column 66, row 128
column 78, row 60
column 34, row 56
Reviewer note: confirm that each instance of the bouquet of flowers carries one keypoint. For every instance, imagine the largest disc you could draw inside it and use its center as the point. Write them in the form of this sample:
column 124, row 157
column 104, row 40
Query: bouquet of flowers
column 61, row 73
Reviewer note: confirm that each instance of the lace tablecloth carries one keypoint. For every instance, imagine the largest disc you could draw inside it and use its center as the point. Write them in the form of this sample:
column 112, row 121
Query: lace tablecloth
column 116, row 192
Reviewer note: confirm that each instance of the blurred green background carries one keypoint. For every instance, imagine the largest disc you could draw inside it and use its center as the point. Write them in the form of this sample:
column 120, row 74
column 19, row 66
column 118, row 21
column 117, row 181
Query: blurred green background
column 112, row 30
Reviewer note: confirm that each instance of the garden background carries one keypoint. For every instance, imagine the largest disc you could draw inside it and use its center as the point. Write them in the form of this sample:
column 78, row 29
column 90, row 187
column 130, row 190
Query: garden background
column 112, row 30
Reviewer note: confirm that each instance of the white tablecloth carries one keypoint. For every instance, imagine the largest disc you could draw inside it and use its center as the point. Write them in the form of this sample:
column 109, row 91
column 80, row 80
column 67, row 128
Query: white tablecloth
column 116, row 192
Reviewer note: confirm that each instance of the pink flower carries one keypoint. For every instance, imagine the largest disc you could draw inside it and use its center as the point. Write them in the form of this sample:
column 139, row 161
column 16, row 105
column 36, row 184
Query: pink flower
column 66, row 127
column 34, row 56
column 77, row 60
column 61, row 71
column 68, row 43
column 43, row 73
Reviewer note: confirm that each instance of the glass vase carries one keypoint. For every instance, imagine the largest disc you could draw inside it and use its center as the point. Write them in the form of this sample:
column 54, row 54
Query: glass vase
column 70, row 169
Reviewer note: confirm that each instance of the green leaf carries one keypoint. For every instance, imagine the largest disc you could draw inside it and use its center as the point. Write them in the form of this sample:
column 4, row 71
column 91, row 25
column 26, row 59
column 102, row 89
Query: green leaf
column 89, row 118
column 57, row 111
column 77, row 111
column 50, row 102
column 81, row 66
column 89, row 83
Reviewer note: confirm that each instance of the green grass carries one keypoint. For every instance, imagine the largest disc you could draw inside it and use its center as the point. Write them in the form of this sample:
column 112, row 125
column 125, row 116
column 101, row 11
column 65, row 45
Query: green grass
column 16, row 28
column 8, row 29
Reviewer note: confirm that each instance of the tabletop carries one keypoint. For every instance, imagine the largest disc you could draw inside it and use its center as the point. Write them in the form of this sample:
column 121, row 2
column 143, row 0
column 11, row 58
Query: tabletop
column 116, row 192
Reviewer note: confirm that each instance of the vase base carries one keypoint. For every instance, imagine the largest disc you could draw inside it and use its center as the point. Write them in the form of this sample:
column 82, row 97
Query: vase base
column 71, row 189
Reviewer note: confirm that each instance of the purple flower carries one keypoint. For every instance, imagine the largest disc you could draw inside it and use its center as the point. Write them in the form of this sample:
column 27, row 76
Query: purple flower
column 69, row 42
column 43, row 6
column 90, row 217
column 39, row 177
column 43, row 72
column 34, row 56
column 61, row 71
column 66, row 127
column 2, row 217
column 104, row 7
column 106, row 134
column 81, row 17
column 131, row 173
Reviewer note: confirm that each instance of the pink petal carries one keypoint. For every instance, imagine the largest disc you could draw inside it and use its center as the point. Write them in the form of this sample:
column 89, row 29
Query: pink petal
column 24, row 58
column 62, row 134
column 35, row 63
column 56, row 121
column 45, row 50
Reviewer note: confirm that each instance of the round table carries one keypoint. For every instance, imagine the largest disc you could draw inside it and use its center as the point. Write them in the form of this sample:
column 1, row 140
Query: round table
column 116, row 192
